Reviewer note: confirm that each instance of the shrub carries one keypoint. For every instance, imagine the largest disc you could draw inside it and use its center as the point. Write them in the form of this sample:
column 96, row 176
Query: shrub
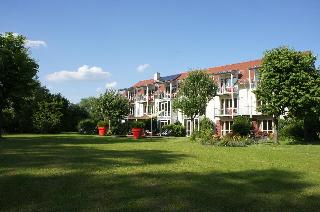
column 120, row 128
column 137, row 124
column 206, row 133
column 204, row 136
column 179, row 130
column 292, row 129
column 241, row 126
column 175, row 129
column 102, row 124
column 232, row 140
column 206, row 123
column 87, row 127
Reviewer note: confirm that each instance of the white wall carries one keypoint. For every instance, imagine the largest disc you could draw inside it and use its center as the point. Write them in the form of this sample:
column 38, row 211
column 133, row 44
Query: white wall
column 244, row 101
column 210, row 109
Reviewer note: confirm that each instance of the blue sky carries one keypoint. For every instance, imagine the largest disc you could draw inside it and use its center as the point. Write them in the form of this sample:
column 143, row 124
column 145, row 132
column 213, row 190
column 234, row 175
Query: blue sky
column 83, row 47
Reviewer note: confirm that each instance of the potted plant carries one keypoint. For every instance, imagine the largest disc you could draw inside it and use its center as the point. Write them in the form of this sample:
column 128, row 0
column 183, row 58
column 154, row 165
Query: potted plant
column 137, row 129
column 102, row 127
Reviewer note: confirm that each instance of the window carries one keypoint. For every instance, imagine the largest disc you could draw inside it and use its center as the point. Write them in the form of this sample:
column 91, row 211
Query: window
column 227, row 82
column 226, row 127
column 266, row 126
column 165, row 108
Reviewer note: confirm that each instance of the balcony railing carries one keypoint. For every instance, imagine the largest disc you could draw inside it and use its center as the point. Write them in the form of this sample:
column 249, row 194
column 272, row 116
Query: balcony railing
column 227, row 89
column 152, row 97
column 164, row 115
column 162, row 96
column 226, row 111
column 141, row 98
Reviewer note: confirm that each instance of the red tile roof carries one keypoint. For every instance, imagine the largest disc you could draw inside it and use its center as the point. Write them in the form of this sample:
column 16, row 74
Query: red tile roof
column 143, row 83
column 242, row 67
column 237, row 66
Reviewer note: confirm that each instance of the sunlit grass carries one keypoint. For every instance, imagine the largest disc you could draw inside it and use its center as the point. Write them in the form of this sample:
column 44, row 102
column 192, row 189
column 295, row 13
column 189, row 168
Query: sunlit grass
column 69, row 172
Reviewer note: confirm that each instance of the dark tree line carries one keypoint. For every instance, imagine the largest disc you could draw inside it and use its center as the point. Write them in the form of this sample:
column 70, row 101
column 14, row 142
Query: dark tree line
column 25, row 105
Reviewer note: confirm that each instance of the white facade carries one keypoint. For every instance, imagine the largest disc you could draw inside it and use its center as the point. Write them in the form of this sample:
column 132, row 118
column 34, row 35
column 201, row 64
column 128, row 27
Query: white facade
column 235, row 97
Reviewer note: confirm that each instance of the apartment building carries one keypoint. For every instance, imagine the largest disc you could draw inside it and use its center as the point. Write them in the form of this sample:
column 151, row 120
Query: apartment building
column 235, row 97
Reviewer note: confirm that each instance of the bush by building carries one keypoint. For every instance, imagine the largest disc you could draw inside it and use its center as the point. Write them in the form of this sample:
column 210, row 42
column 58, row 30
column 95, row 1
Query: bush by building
column 176, row 130
column 87, row 127
column 291, row 129
column 205, row 134
column 241, row 126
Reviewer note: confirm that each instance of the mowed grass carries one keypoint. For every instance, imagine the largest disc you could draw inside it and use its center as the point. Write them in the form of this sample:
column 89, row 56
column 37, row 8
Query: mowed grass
column 90, row 173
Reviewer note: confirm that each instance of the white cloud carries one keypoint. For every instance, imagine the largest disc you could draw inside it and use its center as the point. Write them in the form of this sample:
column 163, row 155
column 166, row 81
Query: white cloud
column 35, row 43
column 142, row 67
column 111, row 84
column 84, row 72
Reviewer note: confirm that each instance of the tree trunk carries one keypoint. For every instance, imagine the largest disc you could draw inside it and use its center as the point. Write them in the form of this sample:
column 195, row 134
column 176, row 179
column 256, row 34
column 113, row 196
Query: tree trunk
column 191, row 126
column 276, row 129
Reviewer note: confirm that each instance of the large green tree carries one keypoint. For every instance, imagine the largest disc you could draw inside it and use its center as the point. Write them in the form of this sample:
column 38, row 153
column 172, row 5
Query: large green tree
column 303, row 87
column 288, row 82
column 17, row 71
column 194, row 94
column 90, row 105
column 113, row 106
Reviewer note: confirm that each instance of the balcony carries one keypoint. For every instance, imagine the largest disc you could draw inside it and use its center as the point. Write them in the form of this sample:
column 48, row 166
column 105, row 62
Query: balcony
column 141, row 98
column 227, row 90
column 162, row 96
column 164, row 115
column 226, row 111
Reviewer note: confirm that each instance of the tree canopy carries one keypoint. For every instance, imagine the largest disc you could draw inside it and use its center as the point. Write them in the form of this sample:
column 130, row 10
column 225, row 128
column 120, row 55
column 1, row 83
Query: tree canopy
column 289, row 82
column 17, row 71
column 112, row 105
column 194, row 94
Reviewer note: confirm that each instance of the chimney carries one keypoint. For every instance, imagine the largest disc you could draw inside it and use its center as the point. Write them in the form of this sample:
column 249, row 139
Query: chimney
column 156, row 76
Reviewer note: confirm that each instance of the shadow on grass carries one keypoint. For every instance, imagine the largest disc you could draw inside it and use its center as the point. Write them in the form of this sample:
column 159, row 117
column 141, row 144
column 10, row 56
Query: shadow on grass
column 257, row 190
column 73, row 157
column 78, row 139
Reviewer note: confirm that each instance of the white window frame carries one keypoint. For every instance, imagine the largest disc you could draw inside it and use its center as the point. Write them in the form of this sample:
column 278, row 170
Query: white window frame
column 268, row 129
column 224, row 129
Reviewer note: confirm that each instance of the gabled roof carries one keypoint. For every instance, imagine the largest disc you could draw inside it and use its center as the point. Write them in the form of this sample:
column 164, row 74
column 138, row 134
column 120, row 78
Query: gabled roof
column 241, row 67
column 237, row 66
column 143, row 83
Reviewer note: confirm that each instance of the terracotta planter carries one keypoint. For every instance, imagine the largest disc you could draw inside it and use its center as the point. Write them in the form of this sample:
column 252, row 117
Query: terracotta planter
column 137, row 132
column 102, row 131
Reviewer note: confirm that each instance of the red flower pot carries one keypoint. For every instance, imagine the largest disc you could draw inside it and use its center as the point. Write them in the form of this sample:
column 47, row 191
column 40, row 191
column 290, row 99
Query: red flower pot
column 137, row 132
column 102, row 131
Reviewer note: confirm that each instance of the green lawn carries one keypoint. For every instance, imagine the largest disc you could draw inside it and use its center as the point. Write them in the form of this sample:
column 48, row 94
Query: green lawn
column 81, row 173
